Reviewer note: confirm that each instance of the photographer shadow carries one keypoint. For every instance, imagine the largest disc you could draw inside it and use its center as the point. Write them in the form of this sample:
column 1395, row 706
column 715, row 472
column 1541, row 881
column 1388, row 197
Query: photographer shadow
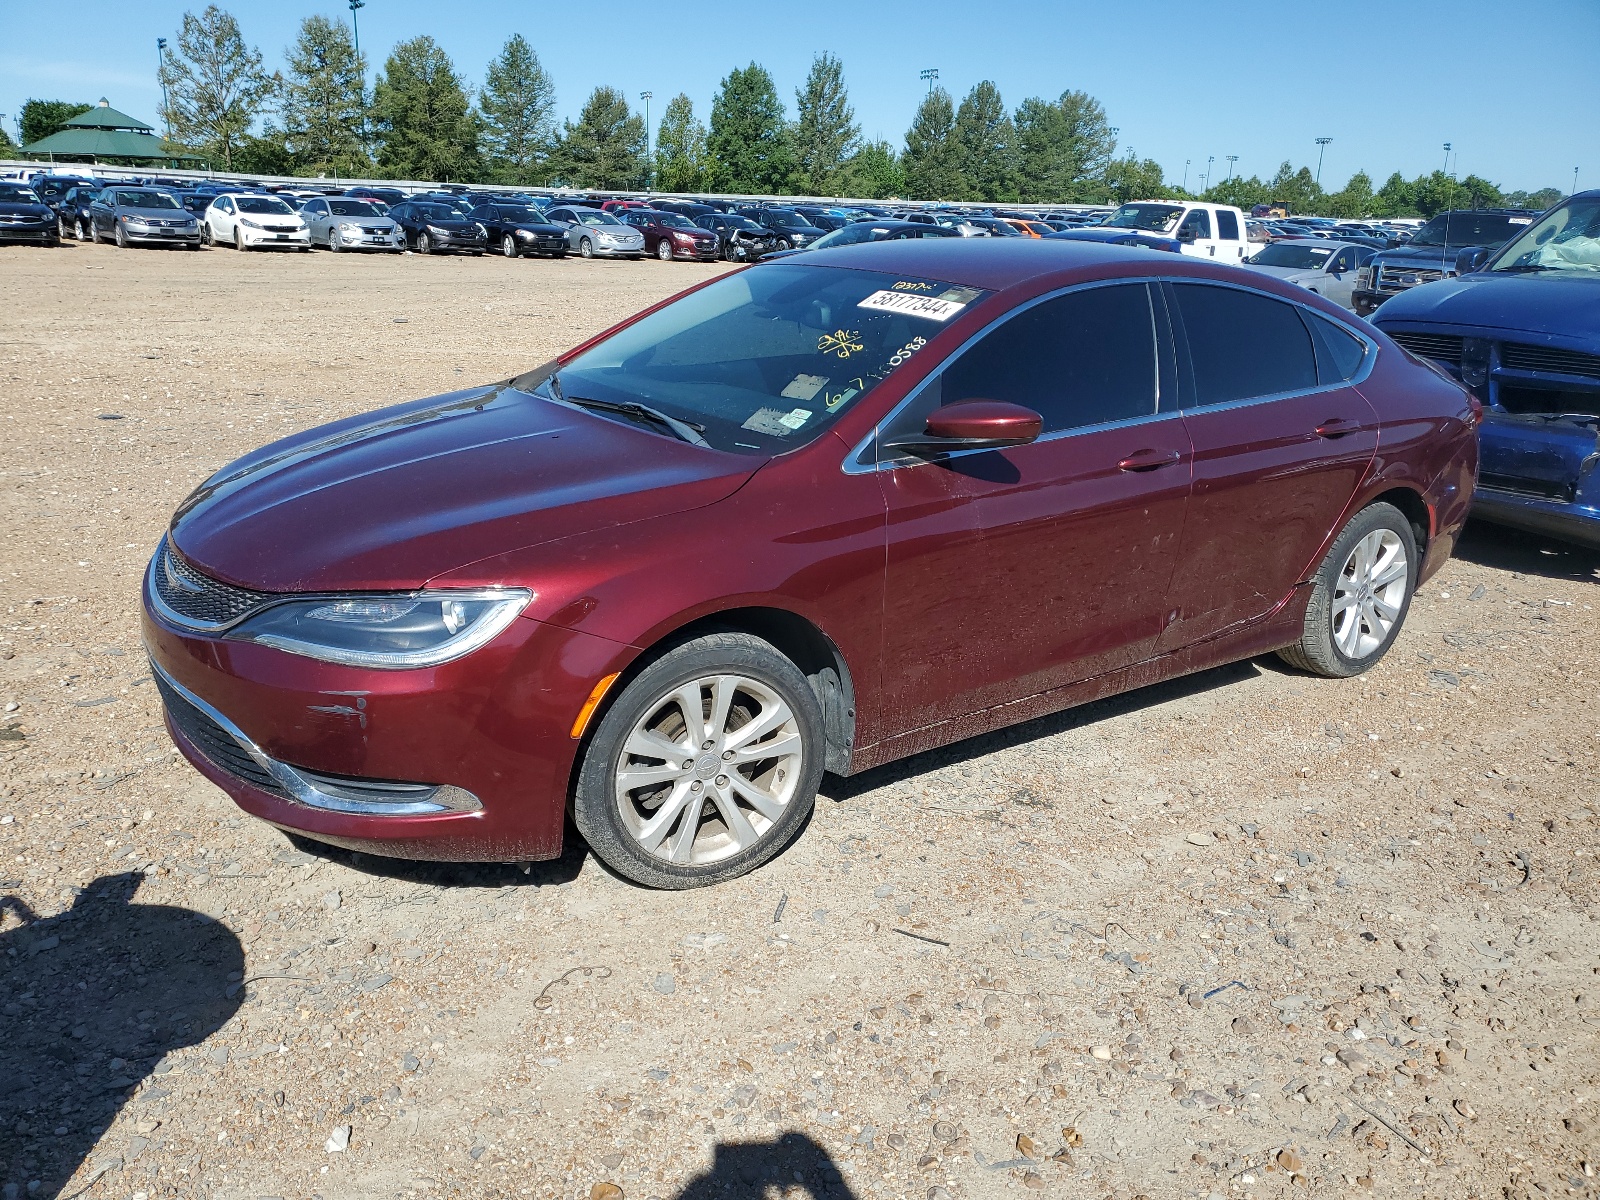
column 768, row 1171
column 92, row 1000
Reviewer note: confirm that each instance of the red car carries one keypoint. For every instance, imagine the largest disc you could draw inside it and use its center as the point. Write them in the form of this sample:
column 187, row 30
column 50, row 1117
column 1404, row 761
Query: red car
column 817, row 514
column 667, row 235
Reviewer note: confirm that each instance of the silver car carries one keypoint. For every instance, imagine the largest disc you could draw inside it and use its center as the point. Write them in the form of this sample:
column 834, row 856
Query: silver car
column 596, row 234
column 341, row 223
column 1320, row 265
column 135, row 216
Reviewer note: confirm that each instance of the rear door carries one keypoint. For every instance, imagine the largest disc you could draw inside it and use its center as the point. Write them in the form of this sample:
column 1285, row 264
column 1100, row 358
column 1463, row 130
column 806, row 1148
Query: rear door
column 1231, row 244
column 1281, row 442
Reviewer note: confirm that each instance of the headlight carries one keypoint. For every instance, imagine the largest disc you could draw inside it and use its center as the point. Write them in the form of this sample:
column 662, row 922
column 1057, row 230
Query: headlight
column 524, row 233
column 1363, row 277
column 350, row 227
column 437, row 232
column 249, row 222
column 396, row 632
column 483, row 230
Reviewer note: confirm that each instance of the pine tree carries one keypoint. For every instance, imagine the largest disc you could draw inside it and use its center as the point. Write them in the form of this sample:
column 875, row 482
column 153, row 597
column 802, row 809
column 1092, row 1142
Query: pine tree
column 518, row 107
column 747, row 146
column 825, row 133
column 324, row 103
column 425, row 124
column 986, row 144
column 606, row 148
column 680, row 148
column 932, row 160
column 1063, row 148
column 216, row 86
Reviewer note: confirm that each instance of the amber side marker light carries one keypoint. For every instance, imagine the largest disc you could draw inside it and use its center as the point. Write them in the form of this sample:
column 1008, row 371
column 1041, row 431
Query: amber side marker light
column 592, row 703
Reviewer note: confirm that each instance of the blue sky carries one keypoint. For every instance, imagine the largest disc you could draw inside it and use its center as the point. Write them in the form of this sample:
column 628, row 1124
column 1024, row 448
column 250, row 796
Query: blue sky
column 1515, row 88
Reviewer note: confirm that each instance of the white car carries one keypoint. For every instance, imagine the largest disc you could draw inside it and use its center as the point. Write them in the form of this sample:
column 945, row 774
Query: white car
column 248, row 221
column 1321, row 265
column 1214, row 231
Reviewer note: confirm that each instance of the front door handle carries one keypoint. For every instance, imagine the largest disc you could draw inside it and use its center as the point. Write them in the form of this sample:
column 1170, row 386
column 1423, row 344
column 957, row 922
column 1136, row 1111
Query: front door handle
column 1148, row 460
column 1335, row 427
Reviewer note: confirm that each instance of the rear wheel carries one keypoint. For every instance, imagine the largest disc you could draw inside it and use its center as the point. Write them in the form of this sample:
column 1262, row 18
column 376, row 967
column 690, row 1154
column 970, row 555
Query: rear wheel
column 1360, row 595
column 705, row 766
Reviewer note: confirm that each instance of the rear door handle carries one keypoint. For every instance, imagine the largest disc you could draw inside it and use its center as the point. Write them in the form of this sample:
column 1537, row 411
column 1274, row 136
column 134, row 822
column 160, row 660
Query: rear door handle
column 1148, row 460
column 1335, row 427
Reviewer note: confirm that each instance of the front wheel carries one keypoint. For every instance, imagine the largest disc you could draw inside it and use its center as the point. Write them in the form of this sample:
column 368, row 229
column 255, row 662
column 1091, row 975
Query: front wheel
column 424, row 244
column 121, row 237
column 335, row 241
column 508, row 246
column 705, row 766
column 1360, row 595
column 664, row 250
column 586, row 248
column 207, row 238
column 238, row 238
column 61, row 227
column 80, row 231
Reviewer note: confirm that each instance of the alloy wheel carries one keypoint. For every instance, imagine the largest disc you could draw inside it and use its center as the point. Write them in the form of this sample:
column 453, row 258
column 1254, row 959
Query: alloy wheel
column 586, row 248
column 424, row 244
column 79, row 231
column 664, row 250
column 508, row 246
column 1370, row 593
column 709, row 769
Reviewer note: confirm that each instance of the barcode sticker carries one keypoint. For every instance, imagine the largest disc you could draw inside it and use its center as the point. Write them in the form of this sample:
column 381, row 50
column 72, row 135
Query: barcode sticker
column 929, row 307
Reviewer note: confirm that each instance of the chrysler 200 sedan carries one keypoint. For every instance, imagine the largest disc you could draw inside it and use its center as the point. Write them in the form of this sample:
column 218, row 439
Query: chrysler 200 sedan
column 814, row 515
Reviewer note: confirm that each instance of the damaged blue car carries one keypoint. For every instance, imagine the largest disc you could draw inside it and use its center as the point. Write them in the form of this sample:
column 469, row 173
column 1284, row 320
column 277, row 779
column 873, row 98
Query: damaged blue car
column 1520, row 327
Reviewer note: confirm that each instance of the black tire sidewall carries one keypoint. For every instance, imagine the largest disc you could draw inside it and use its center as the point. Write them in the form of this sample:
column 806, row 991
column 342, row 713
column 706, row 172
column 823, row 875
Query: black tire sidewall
column 594, row 806
column 1369, row 519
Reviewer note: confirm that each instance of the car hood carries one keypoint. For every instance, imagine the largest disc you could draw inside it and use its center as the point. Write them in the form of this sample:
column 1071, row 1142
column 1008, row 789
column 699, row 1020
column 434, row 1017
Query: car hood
column 26, row 208
column 1422, row 256
column 1563, row 308
column 542, row 228
column 391, row 499
column 1292, row 274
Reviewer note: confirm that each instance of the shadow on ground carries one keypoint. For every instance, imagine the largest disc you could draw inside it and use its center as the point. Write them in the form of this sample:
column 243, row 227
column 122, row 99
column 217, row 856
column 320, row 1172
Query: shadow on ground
column 92, row 1000
column 759, row 1170
column 456, row 874
column 1531, row 554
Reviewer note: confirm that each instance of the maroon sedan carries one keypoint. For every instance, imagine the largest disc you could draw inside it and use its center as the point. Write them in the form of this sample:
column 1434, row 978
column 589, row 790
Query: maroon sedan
column 668, row 235
column 816, row 514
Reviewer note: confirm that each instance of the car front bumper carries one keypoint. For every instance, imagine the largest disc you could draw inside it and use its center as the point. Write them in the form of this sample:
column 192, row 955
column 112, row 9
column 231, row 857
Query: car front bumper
column 263, row 237
column 34, row 231
column 483, row 744
column 162, row 237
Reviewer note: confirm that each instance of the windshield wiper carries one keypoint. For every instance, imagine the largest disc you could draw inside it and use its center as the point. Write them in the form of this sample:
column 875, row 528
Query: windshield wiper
column 684, row 431
column 1521, row 268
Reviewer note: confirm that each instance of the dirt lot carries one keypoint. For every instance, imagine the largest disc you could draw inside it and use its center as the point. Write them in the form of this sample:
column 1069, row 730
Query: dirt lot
column 1239, row 934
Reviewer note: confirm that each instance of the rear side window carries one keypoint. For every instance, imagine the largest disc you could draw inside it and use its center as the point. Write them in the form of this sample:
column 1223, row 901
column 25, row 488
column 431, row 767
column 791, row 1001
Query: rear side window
column 1081, row 359
column 1243, row 345
column 1339, row 352
column 1227, row 225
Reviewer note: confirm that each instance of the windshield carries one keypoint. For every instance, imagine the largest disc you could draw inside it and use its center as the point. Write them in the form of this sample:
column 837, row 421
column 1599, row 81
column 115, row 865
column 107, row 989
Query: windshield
column 13, row 194
column 593, row 216
column 520, row 212
column 263, row 204
column 1301, row 258
column 436, row 212
column 746, row 224
column 146, row 200
column 1469, row 229
column 1157, row 218
column 767, row 359
column 673, row 221
column 351, row 208
column 848, row 235
column 1567, row 239
column 789, row 220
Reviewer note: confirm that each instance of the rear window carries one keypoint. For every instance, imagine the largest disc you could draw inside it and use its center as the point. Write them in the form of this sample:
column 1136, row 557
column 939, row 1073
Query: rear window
column 1243, row 345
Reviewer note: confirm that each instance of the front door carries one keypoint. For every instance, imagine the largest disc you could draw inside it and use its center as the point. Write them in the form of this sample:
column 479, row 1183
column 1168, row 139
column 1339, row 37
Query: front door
column 1281, row 443
column 1197, row 235
column 1012, row 572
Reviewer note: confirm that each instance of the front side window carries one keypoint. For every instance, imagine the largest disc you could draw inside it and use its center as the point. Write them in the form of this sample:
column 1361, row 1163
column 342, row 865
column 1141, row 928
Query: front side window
column 1243, row 345
column 225, row 204
column 1197, row 224
column 315, row 207
column 765, row 360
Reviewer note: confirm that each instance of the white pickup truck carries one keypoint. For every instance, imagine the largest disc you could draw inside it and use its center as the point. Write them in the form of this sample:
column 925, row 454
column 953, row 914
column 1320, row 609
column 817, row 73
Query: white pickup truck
column 1214, row 231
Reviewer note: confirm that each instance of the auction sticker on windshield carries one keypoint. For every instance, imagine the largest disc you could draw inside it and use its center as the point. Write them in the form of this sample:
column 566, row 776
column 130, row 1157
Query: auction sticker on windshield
column 933, row 308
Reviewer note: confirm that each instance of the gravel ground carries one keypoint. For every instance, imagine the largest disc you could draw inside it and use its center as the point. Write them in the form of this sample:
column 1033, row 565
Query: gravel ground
column 1232, row 935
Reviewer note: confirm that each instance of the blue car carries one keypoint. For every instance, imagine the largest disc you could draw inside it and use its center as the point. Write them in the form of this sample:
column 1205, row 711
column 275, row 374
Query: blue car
column 1521, row 329
column 1117, row 236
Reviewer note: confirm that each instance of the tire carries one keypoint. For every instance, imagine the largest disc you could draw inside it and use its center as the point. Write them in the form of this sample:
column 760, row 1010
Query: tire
column 207, row 238
column 755, row 684
column 508, row 247
column 94, row 232
column 1345, row 632
column 664, row 250
column 586, row 248
column 238, row 239
column 79, row 230
column 121, row 238
column 335, row 241
column 424, row 244
column 61, row 227
column 785, row 244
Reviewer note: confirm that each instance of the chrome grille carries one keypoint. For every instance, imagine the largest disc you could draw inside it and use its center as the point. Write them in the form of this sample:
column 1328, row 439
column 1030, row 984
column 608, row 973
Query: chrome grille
column 1395, row 279
column 1446, row 347
column 198, row 600
column 1545, row 358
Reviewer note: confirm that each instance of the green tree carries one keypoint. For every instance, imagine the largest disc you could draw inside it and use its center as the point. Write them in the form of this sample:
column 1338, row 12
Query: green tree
column 517, row 109
column 748, row 144
column 216, row 86
column 1354, row 200
column 680, row 148
column 932, row 159
column 824, row 134
column 40, row 118
column 986, row 146
column 873, row 173
column 425, row 125
column 606, row 148
column 1063, row 148
column 1435, row 192
column 1542, row 199
column 324, row 103
column 265, row 155
column 1133, row 178
column 7, row 146
column 1396, row 198
column 1480, row 193
column 1297, row 189
column 1239, row 192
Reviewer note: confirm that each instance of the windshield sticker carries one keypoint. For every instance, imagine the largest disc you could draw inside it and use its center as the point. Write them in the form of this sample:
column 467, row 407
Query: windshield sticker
column 804, row 387
column 913, row 286
column 845, row 342
column 928, row 307
column 771, row 422
column 906, row 351
column 1519, row 221
column 834, row 402
column 795, row 419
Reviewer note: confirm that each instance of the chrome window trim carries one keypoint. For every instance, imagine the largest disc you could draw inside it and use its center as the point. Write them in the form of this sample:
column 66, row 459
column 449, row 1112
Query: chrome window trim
column 853, row 466
column 303, row 791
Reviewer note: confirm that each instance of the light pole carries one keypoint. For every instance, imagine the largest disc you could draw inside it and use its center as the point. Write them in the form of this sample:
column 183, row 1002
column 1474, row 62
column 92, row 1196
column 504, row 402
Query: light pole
column 650, row 163
column 1232, row 158
column 931, row 75
column 1210, row 158
column 1186, row 163
column 1574, row 177
column 355, row 28
column 161, row 74
column 1322, row 146
column 1446, row 159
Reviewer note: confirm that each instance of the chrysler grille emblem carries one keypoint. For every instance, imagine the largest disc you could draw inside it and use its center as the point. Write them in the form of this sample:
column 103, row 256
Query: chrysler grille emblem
column 178, row 581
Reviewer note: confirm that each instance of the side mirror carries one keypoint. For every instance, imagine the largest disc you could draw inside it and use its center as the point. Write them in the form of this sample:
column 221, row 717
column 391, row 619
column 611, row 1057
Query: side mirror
column 1391, row 243
column 1471, row 259
column 1188, row 233
column 972, row 425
